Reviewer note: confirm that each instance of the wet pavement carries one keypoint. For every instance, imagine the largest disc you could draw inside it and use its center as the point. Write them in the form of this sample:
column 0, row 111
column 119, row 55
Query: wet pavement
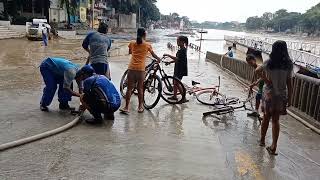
column 168, row 142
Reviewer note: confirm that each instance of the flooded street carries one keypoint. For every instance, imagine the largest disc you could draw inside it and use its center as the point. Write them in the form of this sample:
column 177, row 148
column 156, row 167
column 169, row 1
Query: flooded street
column 168, row 142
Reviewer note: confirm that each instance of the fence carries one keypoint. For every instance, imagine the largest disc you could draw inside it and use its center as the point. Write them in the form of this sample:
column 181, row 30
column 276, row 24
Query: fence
column 298, row 56
column 306, row 90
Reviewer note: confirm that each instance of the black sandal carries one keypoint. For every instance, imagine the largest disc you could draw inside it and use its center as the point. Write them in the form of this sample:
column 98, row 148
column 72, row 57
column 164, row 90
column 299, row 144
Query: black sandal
column 271, row 151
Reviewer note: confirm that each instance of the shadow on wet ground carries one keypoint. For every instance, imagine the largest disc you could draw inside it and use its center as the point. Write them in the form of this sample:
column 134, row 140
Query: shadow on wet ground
column 168, row 142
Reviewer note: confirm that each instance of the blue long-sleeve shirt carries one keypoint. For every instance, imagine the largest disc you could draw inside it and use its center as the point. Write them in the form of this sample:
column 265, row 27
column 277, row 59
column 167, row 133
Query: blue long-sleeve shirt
column 107, row 86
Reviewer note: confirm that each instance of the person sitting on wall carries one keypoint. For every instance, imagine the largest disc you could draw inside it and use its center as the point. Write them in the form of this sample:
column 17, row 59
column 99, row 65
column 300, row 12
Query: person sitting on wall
column 229, row 53
column 100, row 95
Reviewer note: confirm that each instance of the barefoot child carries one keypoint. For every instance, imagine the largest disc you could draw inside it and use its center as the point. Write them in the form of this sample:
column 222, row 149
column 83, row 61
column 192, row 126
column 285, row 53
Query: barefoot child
column 251, row 60
column 181, row 63
column 277, row 75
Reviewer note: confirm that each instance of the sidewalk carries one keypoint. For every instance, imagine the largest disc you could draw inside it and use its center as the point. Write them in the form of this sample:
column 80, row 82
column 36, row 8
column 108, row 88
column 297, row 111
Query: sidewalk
column 168, row 142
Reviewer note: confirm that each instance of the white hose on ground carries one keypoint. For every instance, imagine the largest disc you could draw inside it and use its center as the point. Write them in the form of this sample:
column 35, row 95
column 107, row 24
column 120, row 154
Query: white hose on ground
column 39, row 136
column 289, row 112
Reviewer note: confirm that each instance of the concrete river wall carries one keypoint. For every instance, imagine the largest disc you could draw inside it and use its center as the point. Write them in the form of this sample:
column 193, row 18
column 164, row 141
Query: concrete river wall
column 306, row 90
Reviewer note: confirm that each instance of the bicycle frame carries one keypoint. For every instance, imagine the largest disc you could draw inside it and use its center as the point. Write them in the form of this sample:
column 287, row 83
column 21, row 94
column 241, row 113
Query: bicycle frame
column 194, row 89
column 229, row 109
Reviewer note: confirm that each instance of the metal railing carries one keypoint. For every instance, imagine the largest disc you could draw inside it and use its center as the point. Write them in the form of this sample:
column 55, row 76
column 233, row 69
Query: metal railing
column 300, row 57
column 306, row 90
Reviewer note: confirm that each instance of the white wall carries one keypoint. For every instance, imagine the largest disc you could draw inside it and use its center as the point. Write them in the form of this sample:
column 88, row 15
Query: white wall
column 58, row 14
column 21, row 29
column 5, row 23
column 128, row 21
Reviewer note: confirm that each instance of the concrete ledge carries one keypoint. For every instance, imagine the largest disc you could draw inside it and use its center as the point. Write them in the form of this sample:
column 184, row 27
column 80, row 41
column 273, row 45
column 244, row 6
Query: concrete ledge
column 21, row 29
column 5, row 23
column 66, row 34
column 305, row 117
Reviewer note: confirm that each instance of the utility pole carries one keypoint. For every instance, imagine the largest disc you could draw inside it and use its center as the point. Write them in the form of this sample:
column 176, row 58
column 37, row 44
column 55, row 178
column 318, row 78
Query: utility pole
column 92, row 13
column 139, row 25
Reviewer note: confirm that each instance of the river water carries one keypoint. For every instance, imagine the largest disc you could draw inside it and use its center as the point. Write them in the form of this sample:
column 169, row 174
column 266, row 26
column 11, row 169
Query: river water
column 214, row 39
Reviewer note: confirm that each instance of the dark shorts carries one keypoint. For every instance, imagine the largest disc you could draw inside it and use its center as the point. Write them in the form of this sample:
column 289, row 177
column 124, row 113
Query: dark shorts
column 101, row 68
column 98, row 107
column 136, row 76
column 259, row 97
column 178, row 77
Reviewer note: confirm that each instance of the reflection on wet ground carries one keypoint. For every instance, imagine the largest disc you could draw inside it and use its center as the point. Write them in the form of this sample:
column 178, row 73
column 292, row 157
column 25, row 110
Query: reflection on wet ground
column 168, row 142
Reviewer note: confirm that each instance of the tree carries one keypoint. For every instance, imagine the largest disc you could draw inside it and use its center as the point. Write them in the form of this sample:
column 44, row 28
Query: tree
column 254, row 23
column 71, row 6
column 310, row 21
column 267, row 18
column 148, row 11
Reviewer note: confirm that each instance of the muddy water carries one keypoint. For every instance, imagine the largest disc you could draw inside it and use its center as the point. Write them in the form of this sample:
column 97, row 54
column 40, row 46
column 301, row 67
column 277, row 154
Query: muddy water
column 20, row 58
column 168, row 142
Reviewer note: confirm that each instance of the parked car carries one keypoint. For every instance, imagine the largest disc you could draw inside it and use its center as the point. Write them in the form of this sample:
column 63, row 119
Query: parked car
column 34, row 29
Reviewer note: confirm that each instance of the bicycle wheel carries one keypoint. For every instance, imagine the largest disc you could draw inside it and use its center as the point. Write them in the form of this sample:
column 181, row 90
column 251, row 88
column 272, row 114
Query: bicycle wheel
column 152, row 91
column 167, row 94
column 209, row 97
column 124, row 84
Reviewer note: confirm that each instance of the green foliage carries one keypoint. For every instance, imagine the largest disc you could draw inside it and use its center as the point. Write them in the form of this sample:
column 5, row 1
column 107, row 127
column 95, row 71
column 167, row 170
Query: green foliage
column 254, row 23
column 148, row 9
column 217, row 25
column 71, row 7
column 311, row 19
column 284, row 21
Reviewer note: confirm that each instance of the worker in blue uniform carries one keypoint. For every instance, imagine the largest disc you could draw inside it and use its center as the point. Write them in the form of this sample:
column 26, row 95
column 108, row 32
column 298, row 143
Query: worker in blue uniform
column 58, row 71
column 99, row 95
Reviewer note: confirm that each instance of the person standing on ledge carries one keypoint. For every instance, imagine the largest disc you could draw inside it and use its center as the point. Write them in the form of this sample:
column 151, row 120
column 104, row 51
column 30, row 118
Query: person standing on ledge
column 97, row 44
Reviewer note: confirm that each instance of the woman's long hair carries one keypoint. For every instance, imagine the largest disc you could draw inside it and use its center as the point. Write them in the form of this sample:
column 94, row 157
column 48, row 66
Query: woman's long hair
column 140, row 34
column 279, row 57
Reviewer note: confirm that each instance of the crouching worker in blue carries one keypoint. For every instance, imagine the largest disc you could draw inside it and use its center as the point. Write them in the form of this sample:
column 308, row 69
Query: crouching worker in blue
column 100, row 95
column 58, row 71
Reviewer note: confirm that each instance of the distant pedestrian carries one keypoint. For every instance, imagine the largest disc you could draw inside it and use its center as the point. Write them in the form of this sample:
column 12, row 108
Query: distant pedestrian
column 229, row 53
column 256, row 81
column 277, row 75
column 181, row 64
column 100, row 95
column 97, row 44
column 58, row 71
column 139, row 50
column 44, row 35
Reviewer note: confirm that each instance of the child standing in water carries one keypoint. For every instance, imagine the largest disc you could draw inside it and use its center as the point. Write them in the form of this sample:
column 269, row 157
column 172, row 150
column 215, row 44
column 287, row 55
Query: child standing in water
column 251, row 60
column 277, row 75
column 139, row 50
column 181, row 63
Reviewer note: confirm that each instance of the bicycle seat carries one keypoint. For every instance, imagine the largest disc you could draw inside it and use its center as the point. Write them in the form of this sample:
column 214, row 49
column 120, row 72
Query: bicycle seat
column 194, row 83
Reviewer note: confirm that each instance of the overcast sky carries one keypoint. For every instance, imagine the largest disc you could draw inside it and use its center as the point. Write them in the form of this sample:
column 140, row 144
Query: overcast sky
column 230, row 10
